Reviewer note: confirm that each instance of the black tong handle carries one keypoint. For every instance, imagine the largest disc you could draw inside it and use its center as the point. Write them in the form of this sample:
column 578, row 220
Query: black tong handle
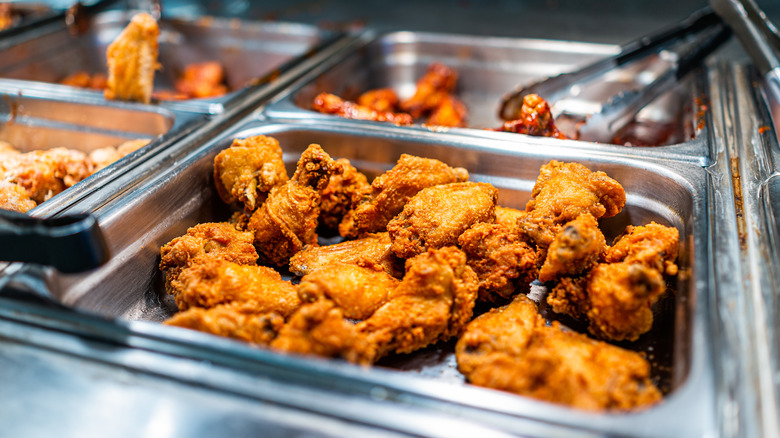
column 69, row 243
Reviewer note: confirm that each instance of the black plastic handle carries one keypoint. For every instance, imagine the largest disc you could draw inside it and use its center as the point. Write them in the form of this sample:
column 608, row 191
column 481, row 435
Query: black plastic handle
column 69, row 243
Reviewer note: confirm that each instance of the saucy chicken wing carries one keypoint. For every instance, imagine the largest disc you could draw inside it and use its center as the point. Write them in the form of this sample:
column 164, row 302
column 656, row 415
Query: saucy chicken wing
column 380, row 100
column 450, row 112
column 331, row 104
column 372, row 250
column 433, row 87
column 201, row 80
column 234, row 320
column 342, row 192
column 132, row 60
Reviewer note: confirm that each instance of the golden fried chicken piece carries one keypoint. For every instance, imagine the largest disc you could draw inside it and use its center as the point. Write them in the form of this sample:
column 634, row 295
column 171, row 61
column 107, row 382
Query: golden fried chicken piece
column 211, row 282
column 508, row 216
column 575, row 249
column 535, row 119
column 331, row 104
column 343, row 191
column 390, row 191
column 248, row 170
column 15, row 198
column 82, row 79
column 201, row 80
column 372, row 250
column 503, row 261
column 320, row 329
column 450, row 112
column 205, row 241
column 44, row 173
column 100, row 158
column 288, row 219
column 132, row 60
column 434, row 302
column 436, row 216
column 380, row 100
column 512, row 349
column 434, row 86
column 357, row 290
column 653, row 245
column 234, row 320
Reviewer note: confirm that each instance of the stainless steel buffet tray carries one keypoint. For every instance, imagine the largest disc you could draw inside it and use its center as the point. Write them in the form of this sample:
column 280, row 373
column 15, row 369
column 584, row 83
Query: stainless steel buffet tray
column 139, row 221
column 489, row 68
column 251, row 53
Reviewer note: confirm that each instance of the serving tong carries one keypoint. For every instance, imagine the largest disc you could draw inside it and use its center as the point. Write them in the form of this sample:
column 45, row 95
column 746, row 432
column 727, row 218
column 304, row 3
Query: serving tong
column 690, row 40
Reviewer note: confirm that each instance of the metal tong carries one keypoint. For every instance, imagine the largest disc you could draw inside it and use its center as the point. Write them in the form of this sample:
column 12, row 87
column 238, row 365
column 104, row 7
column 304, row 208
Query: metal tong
column 710, row 33
column 69, row 243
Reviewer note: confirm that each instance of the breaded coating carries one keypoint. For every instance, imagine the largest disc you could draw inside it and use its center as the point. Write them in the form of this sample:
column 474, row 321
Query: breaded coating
column 211, row 240
column 508, row 216
column 390, row 191
column 512, row 349
column 288, row 219
column 503, row 261
column 211, row 282
column 575, row 249
column 201, row 80
column 248, row 170
column 380, row 100
column 132, row 60
column 653, row 245
column 234, row 320
column 342, row 192
column 434, row 302
column 320, row 329
column 101, row 158
column 436, row 216
column 535, row 119
column 15, row 198
column 434, row 86
column 44, row 173
column 331, row 104
column 450, row 112
column 374, row 249
column 357, row 290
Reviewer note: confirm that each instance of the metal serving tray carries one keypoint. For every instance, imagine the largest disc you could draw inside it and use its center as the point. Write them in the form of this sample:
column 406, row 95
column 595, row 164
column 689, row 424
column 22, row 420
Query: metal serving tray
column 138, row 222
column 490, row 67
column 250, row 52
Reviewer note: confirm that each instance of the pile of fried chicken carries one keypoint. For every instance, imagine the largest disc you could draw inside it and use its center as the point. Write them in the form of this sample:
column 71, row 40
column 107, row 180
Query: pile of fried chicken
column 421, row 246
column 29, row 178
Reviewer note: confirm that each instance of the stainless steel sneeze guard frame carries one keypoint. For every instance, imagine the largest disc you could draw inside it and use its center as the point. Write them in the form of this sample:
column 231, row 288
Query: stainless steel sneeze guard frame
column 137, row 223
column 248, row 51
column 489, row 68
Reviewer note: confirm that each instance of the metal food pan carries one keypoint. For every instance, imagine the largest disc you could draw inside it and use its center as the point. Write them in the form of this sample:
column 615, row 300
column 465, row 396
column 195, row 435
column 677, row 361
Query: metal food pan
column 491, row 67
column 248, row 51
column 137, row 223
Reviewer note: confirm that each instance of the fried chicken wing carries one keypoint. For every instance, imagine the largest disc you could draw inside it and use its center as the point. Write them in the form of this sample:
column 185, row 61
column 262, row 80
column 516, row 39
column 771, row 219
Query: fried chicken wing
column 341, row 193
column 390, row 191
column 15, row 198
column 132, row 60
column 331, row 104
column 503, row 261
column 436, row 216
column 44, row 173
column 248, row 170
column 205, row 241
column 82, row 79
column 508, row 216
column 653, row 245
column 288, row 219
column 211, row 282
column 535, row 119
column 235, row 320
column 575, row 249
column 434, row 86
column 201, row 80
column 450, row 112
column 434, row 301
column 102, row 157
column 374, row 249
column 357, row 290
column 380, row 100
column 512, row 349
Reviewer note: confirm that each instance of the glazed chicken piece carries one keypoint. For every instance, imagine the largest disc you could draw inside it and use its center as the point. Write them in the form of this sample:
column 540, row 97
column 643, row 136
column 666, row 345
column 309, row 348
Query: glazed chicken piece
column 234, row 320
column 288, row 219
column 434, row 302
column 320, row 329
column 436, row 216
column 390, row 191
column 372, row 250
column 574, row 250
column 82, row 79
column 248, row 170
column 211, row 282
column 433, row 87
column 132, row 60
column 535, row 119
column 207, row 241
column 503, row 261
column 380, row 100
column 357, row 290
column 450, row 112
column 201, row 80
column 512, row 349
column 343, row 191
column 331, row 104
column 15, row 198
column 44, row 173
column 101, row 158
